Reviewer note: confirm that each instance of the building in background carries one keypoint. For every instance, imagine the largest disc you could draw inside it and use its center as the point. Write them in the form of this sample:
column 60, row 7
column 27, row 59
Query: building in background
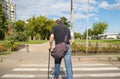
column 9, row 9
column 109, row 36
column 13, row 12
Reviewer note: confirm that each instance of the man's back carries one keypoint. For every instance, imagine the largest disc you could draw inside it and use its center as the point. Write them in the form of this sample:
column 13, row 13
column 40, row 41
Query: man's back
column 59, row 32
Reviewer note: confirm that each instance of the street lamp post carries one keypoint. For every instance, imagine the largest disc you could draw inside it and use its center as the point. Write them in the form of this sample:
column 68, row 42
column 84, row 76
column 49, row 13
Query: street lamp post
column 72, row 20
column 87, row 27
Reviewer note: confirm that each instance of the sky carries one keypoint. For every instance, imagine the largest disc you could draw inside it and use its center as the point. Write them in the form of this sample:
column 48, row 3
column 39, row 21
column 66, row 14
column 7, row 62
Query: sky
column 99, row 11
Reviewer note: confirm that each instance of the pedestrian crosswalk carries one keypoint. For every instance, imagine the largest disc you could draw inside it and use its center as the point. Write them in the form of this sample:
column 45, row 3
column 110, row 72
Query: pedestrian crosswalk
column 39, row 71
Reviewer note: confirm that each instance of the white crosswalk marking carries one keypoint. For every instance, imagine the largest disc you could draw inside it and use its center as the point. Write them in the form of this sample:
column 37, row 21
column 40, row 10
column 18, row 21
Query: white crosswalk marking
column 39, row 65
column 63, row 69
column 82, row 70
column 75, row 75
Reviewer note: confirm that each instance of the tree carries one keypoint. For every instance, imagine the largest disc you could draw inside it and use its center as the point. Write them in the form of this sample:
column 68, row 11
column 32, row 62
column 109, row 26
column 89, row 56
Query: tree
column 29, row 27
column 21, row 36
column 39, row 26
column 67, row 23
column 3, row 27
column 44, row 26
column 20, row 31
column 49, row 25
column 77, row 35
column 89, row 33
column 99, row 28
column 19, row 26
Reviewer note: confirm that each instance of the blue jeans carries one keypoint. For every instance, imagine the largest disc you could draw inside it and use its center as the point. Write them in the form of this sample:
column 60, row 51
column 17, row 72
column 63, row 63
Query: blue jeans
column 68, row 65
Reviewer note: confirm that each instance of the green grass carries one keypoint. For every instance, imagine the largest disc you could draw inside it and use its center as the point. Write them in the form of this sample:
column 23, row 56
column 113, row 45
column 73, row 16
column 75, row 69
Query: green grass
column 4, row 53
column 29, row 42
column 36, row 41
column 101, row 41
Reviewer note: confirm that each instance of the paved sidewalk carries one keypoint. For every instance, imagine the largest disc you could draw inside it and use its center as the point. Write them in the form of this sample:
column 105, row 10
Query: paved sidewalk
column 38, row 53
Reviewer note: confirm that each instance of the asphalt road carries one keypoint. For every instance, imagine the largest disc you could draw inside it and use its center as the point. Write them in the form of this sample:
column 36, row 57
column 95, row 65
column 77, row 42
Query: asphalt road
column 33, row 65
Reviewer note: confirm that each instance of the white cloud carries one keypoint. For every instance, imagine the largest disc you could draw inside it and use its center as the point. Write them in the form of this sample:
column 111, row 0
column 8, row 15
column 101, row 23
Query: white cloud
column 96, row 19
column 29, row 8
column 80, row 16
column 103, row 4
column 115, row 6
column 81, row 8
column 57, row 8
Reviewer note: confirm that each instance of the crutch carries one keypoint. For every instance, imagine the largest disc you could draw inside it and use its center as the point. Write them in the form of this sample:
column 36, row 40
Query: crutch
column 49, row 64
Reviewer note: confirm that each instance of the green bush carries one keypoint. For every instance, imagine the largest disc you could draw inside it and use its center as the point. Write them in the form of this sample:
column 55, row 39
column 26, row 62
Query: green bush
column 21, row 36
column 14, row 46
column 95, row 48
column 8, row 43
column 76, row 48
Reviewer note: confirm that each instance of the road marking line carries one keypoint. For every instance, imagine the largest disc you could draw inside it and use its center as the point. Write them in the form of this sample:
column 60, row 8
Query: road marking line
column 74, row 75
column 63, row 69
column 31, row 69
column 37, row 65
column 22, row 76
column 98, row 75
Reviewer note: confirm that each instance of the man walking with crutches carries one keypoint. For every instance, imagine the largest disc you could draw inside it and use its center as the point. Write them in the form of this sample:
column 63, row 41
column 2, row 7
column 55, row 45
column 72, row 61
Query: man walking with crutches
column 58, row 34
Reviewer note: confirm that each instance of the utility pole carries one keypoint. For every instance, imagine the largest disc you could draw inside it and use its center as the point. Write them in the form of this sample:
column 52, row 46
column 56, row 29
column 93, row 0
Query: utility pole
column 87, row 27
column 72, row 20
